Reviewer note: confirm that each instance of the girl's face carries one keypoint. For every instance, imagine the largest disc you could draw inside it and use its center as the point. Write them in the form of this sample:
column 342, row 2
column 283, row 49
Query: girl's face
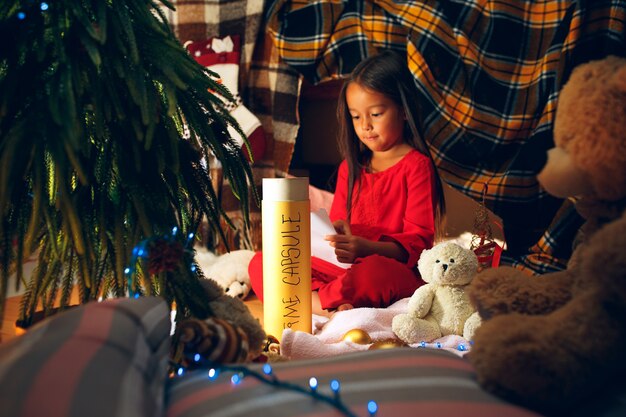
column 378, row 121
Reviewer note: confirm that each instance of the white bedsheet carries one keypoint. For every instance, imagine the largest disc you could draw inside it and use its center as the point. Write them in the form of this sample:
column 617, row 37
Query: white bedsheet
column 327, row 334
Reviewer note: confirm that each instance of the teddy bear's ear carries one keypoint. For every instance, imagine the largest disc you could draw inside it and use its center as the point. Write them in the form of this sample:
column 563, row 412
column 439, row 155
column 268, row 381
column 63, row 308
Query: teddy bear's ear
column 585, row 72
column 423, row 262
column 472, row 260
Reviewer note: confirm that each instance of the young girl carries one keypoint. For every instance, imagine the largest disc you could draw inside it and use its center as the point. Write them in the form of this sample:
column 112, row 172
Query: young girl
column 388, row 200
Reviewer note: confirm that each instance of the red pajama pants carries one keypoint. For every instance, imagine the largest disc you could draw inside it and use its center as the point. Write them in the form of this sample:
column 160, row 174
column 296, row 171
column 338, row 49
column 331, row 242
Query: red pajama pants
column 373, row 281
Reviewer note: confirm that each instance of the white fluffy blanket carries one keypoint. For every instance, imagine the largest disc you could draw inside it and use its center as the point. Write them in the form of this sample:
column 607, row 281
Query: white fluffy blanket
column 327, row 334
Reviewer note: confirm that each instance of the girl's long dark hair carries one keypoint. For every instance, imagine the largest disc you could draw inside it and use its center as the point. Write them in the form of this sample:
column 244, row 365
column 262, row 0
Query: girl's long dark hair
column 386, row 73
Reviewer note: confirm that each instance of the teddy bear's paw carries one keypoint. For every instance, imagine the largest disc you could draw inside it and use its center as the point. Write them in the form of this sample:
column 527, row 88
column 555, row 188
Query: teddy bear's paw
column 411, row 329
column 496, row 291
column 515, row 357
column 506, row 290
column 472, row 323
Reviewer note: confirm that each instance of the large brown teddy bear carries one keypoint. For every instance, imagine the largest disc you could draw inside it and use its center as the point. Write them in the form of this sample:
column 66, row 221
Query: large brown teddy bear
column 554, row 342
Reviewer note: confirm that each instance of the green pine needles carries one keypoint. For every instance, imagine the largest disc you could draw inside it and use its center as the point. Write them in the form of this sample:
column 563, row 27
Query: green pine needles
column 105, row 122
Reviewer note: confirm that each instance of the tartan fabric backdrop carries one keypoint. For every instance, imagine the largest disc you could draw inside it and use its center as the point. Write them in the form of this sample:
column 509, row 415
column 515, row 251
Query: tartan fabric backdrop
column 268, row 87
column 488, row 74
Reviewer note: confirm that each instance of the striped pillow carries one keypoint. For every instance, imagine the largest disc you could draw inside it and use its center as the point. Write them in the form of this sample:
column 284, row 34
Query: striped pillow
column 100, row 359
column 403, row 382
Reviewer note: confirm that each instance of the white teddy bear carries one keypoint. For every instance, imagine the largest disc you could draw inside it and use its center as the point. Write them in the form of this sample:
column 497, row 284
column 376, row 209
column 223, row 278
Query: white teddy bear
column 440, row 307
column 229, row 270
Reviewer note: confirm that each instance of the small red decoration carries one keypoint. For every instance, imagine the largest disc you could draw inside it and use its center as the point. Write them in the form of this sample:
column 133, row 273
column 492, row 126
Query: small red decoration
column 164, row 255
column 484, row 246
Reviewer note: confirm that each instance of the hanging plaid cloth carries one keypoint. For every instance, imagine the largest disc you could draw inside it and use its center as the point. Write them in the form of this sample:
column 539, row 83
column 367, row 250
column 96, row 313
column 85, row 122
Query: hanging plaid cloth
column 488, row 75
column 269, row 88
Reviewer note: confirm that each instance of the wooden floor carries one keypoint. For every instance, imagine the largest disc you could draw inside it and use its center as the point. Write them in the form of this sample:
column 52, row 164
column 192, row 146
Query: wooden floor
column 11, row 312
column 255, row 306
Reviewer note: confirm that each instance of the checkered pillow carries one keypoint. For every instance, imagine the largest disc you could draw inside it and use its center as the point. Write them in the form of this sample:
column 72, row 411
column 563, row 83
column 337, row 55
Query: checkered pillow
column 101, row 359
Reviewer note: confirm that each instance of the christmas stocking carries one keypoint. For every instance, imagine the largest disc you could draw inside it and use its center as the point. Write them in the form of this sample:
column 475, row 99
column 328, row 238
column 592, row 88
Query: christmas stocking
column 222, row 56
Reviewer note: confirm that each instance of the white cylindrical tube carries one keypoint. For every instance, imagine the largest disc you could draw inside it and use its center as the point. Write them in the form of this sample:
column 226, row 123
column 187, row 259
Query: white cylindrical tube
column 286, row 232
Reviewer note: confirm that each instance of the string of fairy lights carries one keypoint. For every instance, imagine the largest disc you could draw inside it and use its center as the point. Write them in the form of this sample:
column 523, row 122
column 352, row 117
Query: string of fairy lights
column 267, row 376
column 43, row 6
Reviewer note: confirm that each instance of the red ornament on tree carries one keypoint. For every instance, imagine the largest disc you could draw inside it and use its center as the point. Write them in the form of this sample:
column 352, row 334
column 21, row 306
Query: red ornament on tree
column 164, row 255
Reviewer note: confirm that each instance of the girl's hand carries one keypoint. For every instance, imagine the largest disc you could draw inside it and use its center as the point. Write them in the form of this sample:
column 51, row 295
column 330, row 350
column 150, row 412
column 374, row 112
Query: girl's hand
column 347, row 247
column 342, row 227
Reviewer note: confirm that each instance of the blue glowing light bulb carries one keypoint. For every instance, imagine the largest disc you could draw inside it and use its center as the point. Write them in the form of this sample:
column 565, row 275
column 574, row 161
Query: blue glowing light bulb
column 127, row 271
column 44, row 6
column 140, row 252
column 313, row 383
column 136, row 295
column 194, row 268
column 334, row 386
column 21, row 15
column 213, row 373
column 267, row 369
column 196, row 357
column 174, row 230
column 235, row 379
column 190, row 236
column 372, row 408
column 180, row 371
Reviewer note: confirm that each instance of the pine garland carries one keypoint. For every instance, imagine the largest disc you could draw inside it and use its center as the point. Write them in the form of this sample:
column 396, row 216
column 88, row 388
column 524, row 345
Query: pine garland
column 94, row 98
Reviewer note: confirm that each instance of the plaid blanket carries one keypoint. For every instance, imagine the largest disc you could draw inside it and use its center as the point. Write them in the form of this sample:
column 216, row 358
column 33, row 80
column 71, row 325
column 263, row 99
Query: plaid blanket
column 268, row 87
column 488, row 74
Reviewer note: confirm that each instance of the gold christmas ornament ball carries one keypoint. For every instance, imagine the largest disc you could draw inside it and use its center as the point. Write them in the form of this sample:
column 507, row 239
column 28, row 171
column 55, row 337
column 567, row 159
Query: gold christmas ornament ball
column 358, row 336
column 387, row 344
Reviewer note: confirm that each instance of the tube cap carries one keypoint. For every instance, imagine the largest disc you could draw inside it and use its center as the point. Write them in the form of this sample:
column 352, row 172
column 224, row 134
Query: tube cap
column 286, row 189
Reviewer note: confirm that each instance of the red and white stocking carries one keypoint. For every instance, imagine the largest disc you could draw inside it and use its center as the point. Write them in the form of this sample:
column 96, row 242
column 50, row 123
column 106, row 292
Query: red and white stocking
column 222, row 56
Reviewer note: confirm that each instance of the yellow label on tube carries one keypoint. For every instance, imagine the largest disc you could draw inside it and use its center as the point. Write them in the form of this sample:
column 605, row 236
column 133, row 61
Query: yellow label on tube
column 286, row 266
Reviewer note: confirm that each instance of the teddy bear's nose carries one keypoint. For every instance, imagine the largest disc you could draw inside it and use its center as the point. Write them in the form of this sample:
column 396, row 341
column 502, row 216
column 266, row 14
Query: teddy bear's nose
column 445, row 267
